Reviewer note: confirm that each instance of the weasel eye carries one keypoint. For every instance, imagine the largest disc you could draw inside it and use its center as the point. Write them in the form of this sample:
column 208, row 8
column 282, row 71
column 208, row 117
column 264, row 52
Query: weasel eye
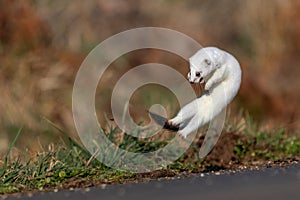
column 207, row 61
column 197, row 74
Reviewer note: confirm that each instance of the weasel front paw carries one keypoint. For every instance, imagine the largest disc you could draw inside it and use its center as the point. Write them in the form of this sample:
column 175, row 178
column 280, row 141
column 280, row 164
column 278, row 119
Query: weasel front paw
column 207, row 87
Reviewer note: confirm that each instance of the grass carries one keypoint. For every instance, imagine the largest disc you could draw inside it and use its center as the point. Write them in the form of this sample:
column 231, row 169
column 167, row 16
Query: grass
column 71, row 166
column 261, row 145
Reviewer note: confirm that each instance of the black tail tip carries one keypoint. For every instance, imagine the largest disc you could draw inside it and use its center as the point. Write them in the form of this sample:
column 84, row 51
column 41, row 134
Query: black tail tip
column 162, row 121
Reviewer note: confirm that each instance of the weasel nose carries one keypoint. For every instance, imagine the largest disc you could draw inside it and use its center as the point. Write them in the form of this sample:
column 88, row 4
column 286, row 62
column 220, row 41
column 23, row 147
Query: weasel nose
column 192, row 82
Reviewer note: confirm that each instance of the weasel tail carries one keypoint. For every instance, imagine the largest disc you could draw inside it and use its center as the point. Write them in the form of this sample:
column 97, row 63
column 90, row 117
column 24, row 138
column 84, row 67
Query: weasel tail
column 221, row 73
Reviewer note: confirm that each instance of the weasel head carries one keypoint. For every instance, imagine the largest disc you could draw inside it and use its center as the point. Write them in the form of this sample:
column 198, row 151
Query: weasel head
column 204, row 63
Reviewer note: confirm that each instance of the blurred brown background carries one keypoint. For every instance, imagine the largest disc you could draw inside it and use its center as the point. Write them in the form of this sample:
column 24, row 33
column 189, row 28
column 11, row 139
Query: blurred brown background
column 42, row 44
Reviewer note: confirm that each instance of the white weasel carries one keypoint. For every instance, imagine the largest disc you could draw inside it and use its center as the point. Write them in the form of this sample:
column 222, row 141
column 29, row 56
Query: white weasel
column 221, row 73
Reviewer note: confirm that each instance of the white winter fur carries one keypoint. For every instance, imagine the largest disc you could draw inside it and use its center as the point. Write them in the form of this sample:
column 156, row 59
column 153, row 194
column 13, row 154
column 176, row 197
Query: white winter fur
column 222, row 74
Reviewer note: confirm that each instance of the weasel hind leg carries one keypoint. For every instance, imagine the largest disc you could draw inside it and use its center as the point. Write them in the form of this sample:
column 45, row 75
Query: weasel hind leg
column 185, row 114
column 193, row 125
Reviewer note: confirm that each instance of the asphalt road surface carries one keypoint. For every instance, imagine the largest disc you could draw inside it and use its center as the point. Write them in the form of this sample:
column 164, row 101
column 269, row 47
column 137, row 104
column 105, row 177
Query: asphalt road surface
column 271, row 183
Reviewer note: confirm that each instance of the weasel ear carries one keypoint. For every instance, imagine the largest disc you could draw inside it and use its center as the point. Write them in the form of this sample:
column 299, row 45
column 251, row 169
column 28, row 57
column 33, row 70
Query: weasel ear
column 219, row 57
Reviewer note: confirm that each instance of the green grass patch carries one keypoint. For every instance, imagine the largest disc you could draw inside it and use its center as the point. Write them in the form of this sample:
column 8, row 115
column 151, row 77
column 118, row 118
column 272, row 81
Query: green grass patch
column 71, row 165
column 275, row 145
